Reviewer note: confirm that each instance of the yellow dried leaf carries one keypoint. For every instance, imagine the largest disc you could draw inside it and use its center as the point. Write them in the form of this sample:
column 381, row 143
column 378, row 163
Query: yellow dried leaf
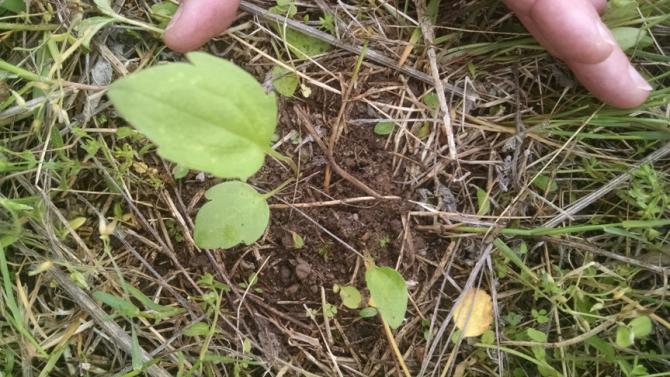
column 481, row 315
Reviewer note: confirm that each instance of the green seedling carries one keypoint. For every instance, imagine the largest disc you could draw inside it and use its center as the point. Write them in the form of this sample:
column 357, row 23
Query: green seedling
column 227, row 135
column 324, row 251
column 174, row 230
column 384, row 241
column 541, row 316
column 327, row 22
column 637, row 328
column 284, row 7
column 329, row 310
column 253, row 279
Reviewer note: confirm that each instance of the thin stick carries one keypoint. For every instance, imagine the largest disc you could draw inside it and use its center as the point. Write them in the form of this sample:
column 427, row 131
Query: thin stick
column 428, row 36
column 325, row 317
column 333, row 202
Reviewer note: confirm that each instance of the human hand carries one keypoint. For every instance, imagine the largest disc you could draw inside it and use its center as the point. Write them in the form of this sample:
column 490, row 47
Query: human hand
column 569, row 29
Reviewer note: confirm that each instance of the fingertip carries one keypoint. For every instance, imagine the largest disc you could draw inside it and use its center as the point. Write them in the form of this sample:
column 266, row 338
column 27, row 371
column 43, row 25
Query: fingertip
column 613, row 81
column 198, row 21
column 599, row 5
column 573, row 28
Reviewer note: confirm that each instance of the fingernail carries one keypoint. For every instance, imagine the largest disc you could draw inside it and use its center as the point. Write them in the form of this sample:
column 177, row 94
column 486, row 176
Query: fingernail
column 640, row 82
column 605, row 33
column 175, row 17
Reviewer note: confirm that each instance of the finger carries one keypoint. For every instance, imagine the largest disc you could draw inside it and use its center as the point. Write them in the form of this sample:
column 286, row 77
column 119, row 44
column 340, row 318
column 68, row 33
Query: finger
column 524, row 6
column 533, row 29
column 197, row 21
column 613, row 81
column 599, row 5
column 574, row 29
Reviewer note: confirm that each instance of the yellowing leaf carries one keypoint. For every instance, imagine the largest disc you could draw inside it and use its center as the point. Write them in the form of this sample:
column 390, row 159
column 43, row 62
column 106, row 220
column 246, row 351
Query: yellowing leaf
column 481, row 315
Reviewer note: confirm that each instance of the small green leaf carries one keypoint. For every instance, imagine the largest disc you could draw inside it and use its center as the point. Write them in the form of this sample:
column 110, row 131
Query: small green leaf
column 104, row 5
column 79, row 279
column 122, row 306
column 489, row 337
column 604, row 347
column 431, row 100
column 640, row 326
column 483, row 201
column 209, row 115
column 97, row 23
column 16, row 6
column 77, row 223
column 253, row 279
column 513, row 318
column 166, row 9
column 285, row 85
column 368, row 312
column 389, row 293
column 623, row 336
column 136, row 350
column 384, row 128
column 199, row 328
column 537, row 336
column 628, row 37
column 456, row 335
column 236, row 213
column 542, row 183
column 122, row 132
column 303, row 44
column 351, row 297
column 180, row 171
column 247, row 345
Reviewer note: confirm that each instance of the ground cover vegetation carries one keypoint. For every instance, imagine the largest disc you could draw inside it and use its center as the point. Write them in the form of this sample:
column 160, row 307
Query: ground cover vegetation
column 295, row 198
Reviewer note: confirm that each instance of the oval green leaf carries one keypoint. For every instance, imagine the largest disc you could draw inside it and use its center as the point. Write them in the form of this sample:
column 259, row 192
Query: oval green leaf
column 431, row 100
column 640, row 326
column 537, row 336
column 384, row 128
column 389, row 292
column 351, row 297
column 628, row 37
column 285, row 85
column 236, row 213
column 209, row 115
column 543, row 182
column 368, row 312
column 199, row 328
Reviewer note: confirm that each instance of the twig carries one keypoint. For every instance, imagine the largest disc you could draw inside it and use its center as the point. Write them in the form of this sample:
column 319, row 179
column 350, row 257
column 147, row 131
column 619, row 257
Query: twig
column 428, row 36
column 308, row 125
column 598, row 251
column 333, row 202
column 326, row 322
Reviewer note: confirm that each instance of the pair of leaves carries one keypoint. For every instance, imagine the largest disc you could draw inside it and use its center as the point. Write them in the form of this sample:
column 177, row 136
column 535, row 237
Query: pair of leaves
column 388, row 291
column 212, row 116
column 637, row 328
